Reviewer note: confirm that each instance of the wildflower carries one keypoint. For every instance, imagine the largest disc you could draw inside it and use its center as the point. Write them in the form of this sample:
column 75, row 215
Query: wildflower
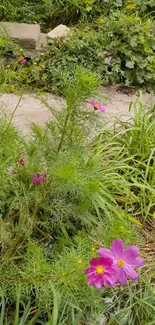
column 124, row 260
column 100, row 272
column 24, row 61
column 21, row 60
column 10, row 170
column 38, row 178
column 22, row 161
column 97, row 105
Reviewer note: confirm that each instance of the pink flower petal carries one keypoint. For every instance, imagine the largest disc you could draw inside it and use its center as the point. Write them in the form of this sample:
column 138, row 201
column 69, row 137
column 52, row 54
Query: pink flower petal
column 130, row 272
column 92, row 102
column 122, row 278
column 110, row 280
column 97, row 105
column 137, row 262
column 92, row 280
column 101, row 108
column 38, row 178
column 91, row 270
column 94, row 262
column 118, row 248
column 23, row 62
column 105, row 262
column 99, row 282
column 131, row 253
column 106, row 253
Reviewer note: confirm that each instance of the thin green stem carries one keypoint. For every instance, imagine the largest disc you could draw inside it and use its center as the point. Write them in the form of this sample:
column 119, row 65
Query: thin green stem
column 11, row 118
column 63, row 131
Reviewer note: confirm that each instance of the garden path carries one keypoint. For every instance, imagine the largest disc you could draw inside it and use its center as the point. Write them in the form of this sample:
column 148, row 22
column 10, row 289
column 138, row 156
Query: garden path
column 32, row 109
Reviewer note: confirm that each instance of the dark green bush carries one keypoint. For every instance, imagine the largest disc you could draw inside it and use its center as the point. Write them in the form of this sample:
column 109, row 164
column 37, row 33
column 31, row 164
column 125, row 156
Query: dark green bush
column 50, row 13
column 119, row 48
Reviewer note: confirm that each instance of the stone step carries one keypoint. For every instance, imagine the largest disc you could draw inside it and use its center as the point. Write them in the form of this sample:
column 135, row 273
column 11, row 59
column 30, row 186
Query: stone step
column 42, row 44
column 25, row 35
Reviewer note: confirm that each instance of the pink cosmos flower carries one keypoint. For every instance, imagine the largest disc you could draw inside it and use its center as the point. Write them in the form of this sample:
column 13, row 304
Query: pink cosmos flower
column 38, row 178
column 124, row 260
column 21, row 60
column 100, row 272
column 97, row 105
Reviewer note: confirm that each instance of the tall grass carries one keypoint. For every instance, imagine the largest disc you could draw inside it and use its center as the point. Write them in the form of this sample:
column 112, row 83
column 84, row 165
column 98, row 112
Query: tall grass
column 134, row 140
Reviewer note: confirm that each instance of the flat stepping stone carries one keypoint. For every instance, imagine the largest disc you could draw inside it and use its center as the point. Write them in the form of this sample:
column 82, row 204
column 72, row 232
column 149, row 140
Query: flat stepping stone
column 42, row 44
column 25, row 35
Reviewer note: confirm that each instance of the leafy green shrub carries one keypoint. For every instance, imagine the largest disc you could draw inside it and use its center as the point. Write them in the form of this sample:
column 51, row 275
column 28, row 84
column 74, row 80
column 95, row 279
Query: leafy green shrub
column 50, row 13
column 50, row 231
column 120, row 48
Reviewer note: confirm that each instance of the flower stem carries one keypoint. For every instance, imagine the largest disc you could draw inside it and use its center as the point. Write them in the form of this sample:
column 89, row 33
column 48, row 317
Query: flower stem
column 63, row 131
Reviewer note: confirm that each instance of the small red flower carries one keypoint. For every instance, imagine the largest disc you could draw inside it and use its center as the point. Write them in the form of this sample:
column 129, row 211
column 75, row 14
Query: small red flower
column 22, row 161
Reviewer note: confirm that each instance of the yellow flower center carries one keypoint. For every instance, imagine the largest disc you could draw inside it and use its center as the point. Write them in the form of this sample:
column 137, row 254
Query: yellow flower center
column 97, row 106
column 121, row 263
column 100, row 269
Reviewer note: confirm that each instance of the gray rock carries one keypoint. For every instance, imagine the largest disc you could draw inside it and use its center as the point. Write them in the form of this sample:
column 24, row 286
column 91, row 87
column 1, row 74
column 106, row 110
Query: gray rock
column 60, row 32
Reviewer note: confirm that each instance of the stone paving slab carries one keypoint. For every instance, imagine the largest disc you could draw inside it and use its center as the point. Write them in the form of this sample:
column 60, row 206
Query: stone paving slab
column 25, row 35
column 30, row 110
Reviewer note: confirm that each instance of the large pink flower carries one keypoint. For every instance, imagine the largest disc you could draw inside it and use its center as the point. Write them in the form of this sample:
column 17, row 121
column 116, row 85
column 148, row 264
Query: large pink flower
column 38, row 178
column 124, row 260
column 101, row 272
column 97, row 105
